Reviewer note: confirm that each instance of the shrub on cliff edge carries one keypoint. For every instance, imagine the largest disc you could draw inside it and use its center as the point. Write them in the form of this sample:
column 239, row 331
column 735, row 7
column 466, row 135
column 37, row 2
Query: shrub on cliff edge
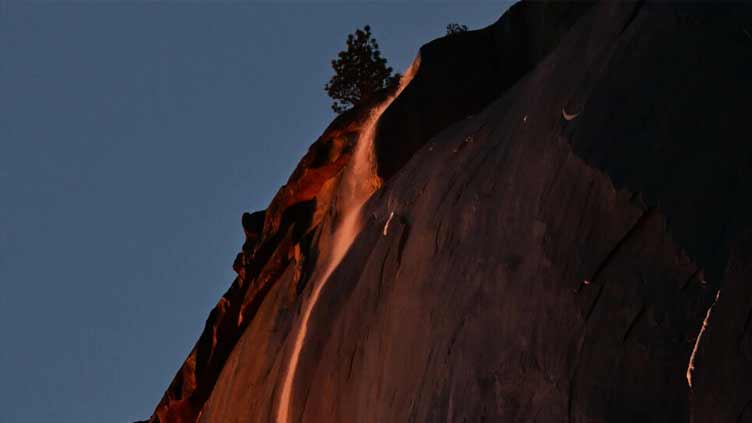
column 359, row 72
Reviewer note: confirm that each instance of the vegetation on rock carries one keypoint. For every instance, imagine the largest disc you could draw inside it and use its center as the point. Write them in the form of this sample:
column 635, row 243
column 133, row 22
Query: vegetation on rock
column 455, row 28
column 360, row 72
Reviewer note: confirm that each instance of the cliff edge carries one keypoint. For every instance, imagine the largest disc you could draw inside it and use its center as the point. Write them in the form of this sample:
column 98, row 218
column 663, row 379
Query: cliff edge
column 558, row 232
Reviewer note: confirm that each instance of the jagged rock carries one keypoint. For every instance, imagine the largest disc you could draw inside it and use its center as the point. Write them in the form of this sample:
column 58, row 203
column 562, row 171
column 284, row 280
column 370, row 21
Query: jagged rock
column 239, row 264
column 253, row 226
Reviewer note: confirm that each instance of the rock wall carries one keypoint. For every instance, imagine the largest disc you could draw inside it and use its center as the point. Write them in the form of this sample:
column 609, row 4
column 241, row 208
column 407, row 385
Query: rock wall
column 274, row 240
column 563, row 212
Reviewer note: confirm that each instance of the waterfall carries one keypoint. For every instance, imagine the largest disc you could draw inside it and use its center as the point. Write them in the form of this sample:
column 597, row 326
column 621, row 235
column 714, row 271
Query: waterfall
column 359, row 181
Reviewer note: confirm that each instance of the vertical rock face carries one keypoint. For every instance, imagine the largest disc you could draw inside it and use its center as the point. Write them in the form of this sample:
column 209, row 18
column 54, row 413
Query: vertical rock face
column 721, row 380
column 565, row 197
column 461, row 74
column 274, row 240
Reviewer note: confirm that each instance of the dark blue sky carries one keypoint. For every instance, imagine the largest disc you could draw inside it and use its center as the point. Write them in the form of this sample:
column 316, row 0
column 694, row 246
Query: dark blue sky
column 132, row 137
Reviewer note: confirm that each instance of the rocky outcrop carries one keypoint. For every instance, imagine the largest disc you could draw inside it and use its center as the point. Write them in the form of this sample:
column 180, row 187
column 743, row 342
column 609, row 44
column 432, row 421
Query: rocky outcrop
column 561, row 235
column 274, row 239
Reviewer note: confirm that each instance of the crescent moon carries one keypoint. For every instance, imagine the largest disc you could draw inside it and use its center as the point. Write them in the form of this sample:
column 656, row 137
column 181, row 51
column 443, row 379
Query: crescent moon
column 567, row 116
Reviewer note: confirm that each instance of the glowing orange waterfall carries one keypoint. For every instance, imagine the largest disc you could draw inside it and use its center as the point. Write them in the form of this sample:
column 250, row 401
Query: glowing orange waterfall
column 359, row 181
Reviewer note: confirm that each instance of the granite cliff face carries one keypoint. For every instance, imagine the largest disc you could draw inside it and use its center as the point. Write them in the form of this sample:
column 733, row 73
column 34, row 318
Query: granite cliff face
column 558, row 231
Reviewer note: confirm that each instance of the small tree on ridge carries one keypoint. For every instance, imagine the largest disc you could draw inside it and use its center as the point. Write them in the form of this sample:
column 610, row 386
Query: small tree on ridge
column 359, row 72
column 455, row 28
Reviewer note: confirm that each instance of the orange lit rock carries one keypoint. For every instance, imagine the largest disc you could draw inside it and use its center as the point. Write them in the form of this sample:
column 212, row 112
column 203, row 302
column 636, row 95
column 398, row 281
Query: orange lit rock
column 273, row 238
column 516, row 265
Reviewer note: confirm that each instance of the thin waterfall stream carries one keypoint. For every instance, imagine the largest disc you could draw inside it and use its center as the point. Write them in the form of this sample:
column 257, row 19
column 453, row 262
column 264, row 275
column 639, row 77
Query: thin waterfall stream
column 360, row 182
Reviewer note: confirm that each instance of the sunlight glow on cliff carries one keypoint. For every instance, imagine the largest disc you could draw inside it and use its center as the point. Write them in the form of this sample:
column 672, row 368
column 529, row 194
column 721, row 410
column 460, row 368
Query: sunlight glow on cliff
column 359, row 182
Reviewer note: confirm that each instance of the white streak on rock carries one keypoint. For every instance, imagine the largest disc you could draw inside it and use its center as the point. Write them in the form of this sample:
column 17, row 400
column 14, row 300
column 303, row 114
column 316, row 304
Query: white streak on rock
column 386, row 226
column 567, row 116
column 705, row 322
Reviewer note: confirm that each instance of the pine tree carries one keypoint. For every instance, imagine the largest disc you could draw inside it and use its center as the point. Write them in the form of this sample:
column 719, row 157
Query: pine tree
column 359, row 72
column 455, row 28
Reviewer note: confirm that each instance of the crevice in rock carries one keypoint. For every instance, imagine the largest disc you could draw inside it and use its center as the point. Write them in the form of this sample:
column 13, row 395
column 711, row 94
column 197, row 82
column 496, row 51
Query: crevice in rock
column 405, row 233
column 634, row 322
column 593, row 303
column 743, row 412
column 635, row 11
column 647, row 214
column 691, row 277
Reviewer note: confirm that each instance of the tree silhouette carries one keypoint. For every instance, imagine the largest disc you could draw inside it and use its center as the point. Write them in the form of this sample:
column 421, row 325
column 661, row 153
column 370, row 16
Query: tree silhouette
column 455, row 28
column 359, row 72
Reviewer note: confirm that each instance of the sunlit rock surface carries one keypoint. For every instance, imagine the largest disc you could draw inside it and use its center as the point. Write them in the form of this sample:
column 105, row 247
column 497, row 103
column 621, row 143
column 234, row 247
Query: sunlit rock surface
column 275, row 239
column 565, row 194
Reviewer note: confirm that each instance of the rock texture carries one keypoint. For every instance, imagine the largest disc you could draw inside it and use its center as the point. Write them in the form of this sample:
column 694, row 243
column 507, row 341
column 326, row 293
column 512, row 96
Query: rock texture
column 564, row 209
column 462, row 73
column 274, row 238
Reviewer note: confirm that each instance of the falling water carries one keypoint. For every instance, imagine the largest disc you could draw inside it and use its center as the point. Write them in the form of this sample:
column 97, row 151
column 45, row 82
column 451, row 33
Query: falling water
column 359, row 181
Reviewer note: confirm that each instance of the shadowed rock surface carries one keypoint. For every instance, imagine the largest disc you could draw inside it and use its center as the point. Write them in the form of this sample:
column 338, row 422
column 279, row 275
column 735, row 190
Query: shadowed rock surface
column 462, row 73
column 568, row 192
